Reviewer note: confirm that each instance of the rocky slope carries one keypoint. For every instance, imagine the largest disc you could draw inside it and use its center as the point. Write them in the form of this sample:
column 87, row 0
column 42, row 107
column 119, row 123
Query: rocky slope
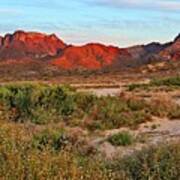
column 91, row 56
column 172, row 52
column 29, row 45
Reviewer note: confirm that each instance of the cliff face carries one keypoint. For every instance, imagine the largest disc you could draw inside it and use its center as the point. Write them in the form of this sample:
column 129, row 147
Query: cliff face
column 29, row 45
column 91, row 56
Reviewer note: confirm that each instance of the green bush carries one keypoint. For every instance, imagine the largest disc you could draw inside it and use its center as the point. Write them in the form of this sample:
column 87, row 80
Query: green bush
column 156, row 163
column 136, row 104
column 55, row 139
column 113, row 112
column 172, row 81
column 36, row 102
column 169, row 82
column 121, row 139
column 85, row 101
column 132, row 87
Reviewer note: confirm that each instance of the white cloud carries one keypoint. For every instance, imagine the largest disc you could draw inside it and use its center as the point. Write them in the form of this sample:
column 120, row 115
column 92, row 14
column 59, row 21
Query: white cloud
column 152, row 4
column 169, row 5
column 9, row 11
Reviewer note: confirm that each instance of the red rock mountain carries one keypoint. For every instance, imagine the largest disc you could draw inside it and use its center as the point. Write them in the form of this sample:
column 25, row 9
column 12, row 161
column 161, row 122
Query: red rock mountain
column 29, row 45
column 91, row 56
column 172, row 52
column 38, row 46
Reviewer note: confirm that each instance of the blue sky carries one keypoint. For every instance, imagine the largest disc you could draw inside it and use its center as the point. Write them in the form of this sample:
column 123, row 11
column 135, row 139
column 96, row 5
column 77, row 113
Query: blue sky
column 118, row 22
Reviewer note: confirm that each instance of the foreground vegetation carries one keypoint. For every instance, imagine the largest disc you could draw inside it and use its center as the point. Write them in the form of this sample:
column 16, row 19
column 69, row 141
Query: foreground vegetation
column 171, row 82
column 121, row 139
column 39, row 139
column 51, row 154
column 156, row 163
column 43, row 104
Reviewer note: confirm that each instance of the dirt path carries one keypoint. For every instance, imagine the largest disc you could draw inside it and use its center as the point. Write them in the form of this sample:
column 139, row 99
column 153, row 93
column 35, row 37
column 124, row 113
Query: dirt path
column 103, row 91
column 148, row 134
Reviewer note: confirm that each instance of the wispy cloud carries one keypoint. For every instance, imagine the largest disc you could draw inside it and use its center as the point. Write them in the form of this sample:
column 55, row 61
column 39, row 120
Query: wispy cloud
column 149, row 4
column 10, row 11
column 169, row 5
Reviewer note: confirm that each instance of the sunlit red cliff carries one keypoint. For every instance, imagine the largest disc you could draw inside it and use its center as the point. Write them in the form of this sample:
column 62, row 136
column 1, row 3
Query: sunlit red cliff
column 29, row 45
column 91, row 56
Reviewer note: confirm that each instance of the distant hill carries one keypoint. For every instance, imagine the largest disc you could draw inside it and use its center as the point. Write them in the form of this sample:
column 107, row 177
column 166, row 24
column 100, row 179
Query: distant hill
column 21, row 46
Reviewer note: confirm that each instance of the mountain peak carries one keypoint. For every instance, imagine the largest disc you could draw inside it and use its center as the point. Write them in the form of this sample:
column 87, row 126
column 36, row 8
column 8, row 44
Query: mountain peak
column 177, row 38
column 23, row 36
column 22, row 44
column 1, row 41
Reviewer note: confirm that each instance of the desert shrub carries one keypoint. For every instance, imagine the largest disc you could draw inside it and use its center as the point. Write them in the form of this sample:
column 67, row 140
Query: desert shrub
column 85, row 101
column 132, row 87
column 109, row 109
column 174, row 113
column 30, row 164
column 113, row 112
column 169, row 82
column 156, row 163
column 16, row 100
column 136, row 104
column 55, row 139
column 42, row 104
column 37, row 102
column 44, row 156
column 163, row 106
column 121, row 139
column 58, row 97
column 20, row 160
column 108, row 112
